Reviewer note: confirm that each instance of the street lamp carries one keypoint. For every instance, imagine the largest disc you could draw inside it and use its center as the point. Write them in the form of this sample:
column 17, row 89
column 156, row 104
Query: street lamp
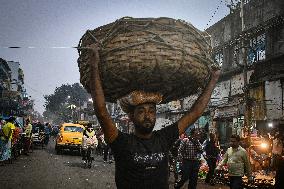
column 72, row 106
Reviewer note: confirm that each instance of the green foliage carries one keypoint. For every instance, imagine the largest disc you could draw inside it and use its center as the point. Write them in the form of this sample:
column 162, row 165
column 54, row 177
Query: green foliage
column 56, row 105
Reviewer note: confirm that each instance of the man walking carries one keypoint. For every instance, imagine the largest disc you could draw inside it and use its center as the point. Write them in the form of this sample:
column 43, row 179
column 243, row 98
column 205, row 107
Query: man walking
column 211, row 154
column 238, row 163
column 28, row 137
column 190, row 151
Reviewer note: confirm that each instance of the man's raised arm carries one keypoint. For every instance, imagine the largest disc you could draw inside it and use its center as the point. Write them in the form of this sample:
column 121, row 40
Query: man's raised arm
column 109, row 129
column 200, row 104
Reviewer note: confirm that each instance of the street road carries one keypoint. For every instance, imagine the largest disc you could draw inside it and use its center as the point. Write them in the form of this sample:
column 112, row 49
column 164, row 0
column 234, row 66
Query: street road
column 43, row 169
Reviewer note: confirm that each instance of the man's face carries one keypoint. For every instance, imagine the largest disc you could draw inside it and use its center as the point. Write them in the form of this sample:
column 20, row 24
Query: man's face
column 144, row 118
column 234, row 143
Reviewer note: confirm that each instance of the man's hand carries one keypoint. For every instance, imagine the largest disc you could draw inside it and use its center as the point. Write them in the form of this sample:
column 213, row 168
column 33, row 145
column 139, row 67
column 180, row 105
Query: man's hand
column 215, row 74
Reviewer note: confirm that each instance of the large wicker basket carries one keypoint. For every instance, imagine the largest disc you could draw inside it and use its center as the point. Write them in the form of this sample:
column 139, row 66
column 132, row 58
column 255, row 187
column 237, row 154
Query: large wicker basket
column 160, row 55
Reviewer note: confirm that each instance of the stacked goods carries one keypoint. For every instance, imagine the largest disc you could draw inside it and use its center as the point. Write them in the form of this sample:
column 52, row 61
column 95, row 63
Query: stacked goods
column 161, row 55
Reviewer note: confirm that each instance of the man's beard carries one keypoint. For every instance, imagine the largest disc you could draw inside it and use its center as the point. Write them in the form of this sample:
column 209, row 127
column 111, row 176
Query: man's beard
column 144, row 130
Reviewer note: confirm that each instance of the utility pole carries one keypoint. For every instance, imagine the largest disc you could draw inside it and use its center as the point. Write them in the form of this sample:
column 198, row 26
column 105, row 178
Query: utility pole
column 247, row 122
column 79, row 117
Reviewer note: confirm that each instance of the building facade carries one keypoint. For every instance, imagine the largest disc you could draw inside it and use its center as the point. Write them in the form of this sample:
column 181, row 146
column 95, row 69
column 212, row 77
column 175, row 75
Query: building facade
column 13, row 97
column 249, row 93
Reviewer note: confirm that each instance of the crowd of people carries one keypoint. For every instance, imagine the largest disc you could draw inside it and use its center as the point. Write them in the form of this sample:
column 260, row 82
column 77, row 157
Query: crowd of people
column 17, row 139
column 188, row 154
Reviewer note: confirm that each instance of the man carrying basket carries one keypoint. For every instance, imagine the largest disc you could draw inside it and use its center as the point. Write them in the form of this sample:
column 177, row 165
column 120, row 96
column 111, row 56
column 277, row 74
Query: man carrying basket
column 141, row 158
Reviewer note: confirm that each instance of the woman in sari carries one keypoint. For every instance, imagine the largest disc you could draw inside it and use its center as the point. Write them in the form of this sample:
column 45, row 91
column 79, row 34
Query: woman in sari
column 5, row 140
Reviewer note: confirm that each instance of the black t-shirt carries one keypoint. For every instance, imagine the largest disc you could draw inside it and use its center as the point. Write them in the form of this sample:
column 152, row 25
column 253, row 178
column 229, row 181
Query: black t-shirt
column 143, row 163
column 211, row 149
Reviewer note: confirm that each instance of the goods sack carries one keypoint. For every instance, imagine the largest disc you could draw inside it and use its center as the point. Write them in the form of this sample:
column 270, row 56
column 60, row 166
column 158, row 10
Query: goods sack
column 161, row 55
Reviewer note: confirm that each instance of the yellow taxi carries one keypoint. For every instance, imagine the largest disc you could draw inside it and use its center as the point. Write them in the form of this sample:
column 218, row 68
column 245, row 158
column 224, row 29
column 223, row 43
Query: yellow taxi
column 69, row 137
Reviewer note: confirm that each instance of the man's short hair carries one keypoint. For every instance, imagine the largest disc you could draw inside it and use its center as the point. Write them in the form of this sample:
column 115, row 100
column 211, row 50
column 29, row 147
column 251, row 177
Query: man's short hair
column 237, row 137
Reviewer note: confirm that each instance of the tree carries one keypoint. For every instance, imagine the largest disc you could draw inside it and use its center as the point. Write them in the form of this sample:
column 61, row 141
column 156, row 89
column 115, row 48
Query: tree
column 56, row 105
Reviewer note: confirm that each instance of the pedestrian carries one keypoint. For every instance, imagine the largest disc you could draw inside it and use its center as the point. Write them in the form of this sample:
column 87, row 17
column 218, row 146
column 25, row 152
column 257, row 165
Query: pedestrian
column 211, row 153
column 107, row 154
column 173, row 157
column 190, row 151
column 89, row 140
column 277, row 150
column 47, row 131
column 238, row 163
column 6, row 139
column 277, row 161
column 141, row 158
column 28, row 136
column 15, row 140
column 101, row 142
column 2, row 143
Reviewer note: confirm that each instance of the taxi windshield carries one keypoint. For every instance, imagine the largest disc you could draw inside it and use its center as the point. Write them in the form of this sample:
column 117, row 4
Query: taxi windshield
column 73, row 129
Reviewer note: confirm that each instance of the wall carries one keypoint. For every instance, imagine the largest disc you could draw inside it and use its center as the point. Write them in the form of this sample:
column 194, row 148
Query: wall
column 228, row 88
column 273, row 96
column 221, row 93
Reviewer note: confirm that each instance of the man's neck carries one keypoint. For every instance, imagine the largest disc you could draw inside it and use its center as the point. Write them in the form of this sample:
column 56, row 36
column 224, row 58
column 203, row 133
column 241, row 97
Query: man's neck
column 235, row 148
column 144, row 136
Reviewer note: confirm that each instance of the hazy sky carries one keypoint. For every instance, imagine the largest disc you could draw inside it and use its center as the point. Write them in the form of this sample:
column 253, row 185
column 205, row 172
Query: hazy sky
column 61, row 23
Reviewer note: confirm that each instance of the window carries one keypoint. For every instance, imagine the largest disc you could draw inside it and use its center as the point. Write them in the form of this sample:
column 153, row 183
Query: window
column 256, row 52
column 219, row 58
column 73, row 129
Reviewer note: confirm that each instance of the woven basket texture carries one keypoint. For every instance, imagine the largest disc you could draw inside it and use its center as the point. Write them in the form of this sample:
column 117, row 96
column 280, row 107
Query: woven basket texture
column 162, row 55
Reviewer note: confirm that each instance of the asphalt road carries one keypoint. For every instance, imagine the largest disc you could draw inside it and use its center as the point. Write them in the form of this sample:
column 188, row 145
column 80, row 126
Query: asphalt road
column 43, row 169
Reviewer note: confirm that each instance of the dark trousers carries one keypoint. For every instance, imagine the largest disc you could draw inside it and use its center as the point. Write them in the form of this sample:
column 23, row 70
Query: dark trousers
column 107, row 153
column 236, row 182
column 46, row 139
column 27, row 144
column 190, row 170
column 211, row 162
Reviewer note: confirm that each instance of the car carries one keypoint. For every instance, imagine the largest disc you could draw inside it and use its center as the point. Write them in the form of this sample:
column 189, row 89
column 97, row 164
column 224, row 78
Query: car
column 69, row 137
